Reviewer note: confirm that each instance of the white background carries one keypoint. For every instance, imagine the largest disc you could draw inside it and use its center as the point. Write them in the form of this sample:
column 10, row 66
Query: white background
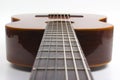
column 110, row 8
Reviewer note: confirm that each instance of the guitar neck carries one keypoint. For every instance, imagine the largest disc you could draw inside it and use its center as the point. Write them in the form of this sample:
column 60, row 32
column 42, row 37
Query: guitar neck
column 60, row 56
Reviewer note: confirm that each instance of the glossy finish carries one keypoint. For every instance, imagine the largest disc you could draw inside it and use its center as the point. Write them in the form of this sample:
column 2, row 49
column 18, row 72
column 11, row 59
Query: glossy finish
column 23, row 38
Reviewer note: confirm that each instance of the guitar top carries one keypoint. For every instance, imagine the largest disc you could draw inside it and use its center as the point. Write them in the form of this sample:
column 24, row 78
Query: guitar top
column 36, row 21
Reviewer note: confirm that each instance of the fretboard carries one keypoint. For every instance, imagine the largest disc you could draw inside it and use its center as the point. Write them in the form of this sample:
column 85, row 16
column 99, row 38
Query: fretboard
column 60, row 56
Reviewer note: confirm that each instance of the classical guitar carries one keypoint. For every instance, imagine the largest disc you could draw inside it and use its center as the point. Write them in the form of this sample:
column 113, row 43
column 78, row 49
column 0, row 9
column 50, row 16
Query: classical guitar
column 61, row 46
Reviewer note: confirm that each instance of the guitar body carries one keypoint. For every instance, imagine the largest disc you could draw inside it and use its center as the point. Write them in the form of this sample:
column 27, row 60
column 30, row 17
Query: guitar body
column 24, row 35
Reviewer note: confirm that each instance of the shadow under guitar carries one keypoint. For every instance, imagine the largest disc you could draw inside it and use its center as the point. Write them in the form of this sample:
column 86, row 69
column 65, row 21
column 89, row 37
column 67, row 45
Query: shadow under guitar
column 98, row 68
column 26, row 69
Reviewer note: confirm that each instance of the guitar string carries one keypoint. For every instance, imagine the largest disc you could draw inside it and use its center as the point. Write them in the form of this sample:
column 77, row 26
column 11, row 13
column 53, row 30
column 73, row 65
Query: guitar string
column 56, row 49
column 45, row 71
column 39, row 53
column 46, row 31
column 65, row 62
column 47, row 61
column 75, row 66
column 81, row 54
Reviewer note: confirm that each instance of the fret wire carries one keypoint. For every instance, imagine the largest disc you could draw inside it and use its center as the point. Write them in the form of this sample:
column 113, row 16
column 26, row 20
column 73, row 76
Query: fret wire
column 52, row 68
column 57, row 51
column 50, row 58
column 81, row 53
column 76, row 71
column 65, row 62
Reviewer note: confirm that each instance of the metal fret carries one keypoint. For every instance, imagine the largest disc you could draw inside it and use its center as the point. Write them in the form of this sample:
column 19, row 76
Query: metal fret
column 76, row 58
column 59, row 68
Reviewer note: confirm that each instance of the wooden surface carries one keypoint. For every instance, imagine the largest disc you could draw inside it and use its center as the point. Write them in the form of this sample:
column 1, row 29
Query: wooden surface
column 95, row 38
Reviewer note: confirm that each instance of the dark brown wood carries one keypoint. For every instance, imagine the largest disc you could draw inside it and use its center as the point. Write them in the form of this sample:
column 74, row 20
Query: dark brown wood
column 24, row 35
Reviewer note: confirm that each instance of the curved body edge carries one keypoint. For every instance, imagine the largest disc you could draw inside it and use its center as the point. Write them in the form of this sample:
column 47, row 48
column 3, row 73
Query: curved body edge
column 23, row 41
